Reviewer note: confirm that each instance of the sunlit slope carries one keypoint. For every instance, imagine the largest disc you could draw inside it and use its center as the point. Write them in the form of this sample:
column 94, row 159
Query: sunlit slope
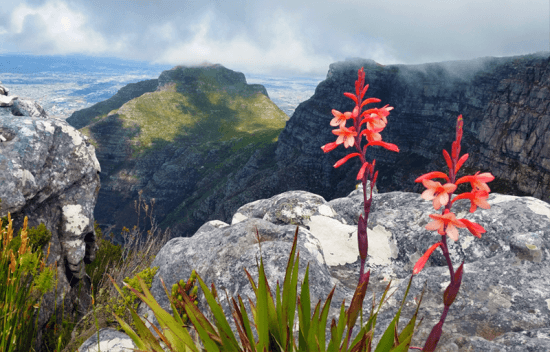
column 212, row 116
column 181, row 145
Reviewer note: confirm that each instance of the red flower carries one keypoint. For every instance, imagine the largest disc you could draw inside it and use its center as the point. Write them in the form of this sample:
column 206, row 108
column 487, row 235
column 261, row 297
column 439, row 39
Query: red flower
column 422, row 261
column 345, row 135
column 475, row 229
column 478, row 182
column 339, row 118
column 477, row 199
column 430, row 175
column 437, row 192
column 447, row 220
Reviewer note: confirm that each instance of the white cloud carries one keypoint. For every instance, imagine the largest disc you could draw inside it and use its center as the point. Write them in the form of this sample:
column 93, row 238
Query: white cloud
column 285, row 51
column 64, row 29
column 283, row 37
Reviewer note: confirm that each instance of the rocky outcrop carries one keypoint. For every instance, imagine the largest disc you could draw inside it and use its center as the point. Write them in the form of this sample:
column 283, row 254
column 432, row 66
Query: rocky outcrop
column 49, row 172
column 110, row 340
column 504, row 101
column 504, row 300
column 179, row 143
column 22, row 107
column 3, row 90
column 6, row 101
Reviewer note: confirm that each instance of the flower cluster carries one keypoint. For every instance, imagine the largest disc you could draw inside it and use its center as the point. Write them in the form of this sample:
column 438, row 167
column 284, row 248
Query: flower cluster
column 373, row 120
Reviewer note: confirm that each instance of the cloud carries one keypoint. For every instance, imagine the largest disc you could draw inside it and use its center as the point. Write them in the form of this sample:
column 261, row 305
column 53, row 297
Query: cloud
column 282, row 50
column 287, row 36
column 53, row 28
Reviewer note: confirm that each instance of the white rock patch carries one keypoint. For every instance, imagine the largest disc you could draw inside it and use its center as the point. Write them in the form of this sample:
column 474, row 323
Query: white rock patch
column 340, row 246
column 76, row 220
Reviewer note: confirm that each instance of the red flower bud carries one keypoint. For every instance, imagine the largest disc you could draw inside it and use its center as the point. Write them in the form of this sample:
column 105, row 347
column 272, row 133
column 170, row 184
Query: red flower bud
column 452, row 290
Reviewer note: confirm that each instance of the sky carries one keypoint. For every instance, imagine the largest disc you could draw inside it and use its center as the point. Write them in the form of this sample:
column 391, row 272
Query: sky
column 284, row 37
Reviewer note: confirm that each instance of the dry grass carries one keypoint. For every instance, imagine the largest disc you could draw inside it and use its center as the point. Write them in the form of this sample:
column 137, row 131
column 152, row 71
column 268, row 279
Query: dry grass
column 138, row 254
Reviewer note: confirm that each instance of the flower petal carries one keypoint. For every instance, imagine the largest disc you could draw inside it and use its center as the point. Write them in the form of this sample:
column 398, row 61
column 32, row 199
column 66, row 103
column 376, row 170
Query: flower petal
column 344, row 159
column 433, row 174
column 422, row 261
column 328, row 147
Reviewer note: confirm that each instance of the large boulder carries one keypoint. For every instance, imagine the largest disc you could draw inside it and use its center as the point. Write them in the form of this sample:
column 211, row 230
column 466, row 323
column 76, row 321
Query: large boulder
column 49, row 173
column 23, row 107
column 504, row 300
column 6, row 101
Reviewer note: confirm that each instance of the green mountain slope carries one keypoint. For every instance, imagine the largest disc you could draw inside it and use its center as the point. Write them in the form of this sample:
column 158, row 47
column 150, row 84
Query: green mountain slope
column 179, row 144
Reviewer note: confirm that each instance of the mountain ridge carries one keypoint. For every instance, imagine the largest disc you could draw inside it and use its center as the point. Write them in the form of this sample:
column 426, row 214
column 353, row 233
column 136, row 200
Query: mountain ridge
column 198, row 121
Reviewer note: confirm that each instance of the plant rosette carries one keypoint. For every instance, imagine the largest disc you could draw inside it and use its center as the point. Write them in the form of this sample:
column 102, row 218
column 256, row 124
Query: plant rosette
column 273, row 319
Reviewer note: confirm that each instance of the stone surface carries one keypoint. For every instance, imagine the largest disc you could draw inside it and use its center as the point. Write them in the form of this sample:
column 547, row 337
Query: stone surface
column 504, row 300
column 22, row 107
column 3, row 90
column 111, row 340
column 49, row 172
column 6, row 101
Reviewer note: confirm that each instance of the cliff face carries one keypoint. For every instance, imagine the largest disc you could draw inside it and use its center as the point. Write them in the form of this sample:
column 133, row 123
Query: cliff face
column 504, row 102
column 176, row 139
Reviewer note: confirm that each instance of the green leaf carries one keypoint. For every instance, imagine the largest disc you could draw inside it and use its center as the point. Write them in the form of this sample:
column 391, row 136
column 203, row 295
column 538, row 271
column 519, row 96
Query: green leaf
column 128, row 330
column 174, row 332
column 262, row 310
column 305, row 304
column 224, row 330
column 290, row 287
column 205, row 330
column 388, row 340
column 337, row 330
column 314, row 327
column 244, row 321
column 323, row 320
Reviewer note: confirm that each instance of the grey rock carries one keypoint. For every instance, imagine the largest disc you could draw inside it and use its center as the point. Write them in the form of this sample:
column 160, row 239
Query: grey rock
column 111, row 340
column 504, row 300
column 3, row 90
column 22, row 107
column 6, row 101
column 49, row 172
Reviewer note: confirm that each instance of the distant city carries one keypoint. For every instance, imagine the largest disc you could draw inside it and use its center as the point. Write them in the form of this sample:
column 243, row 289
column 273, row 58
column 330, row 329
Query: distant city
column 64, row 84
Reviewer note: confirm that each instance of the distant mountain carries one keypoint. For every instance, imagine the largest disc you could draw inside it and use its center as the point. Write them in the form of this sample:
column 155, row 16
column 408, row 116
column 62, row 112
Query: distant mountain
column 179, row 139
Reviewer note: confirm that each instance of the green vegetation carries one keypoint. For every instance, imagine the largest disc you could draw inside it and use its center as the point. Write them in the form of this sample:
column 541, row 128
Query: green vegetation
column 124, row 264
column 214, row 112
column 24, row 279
